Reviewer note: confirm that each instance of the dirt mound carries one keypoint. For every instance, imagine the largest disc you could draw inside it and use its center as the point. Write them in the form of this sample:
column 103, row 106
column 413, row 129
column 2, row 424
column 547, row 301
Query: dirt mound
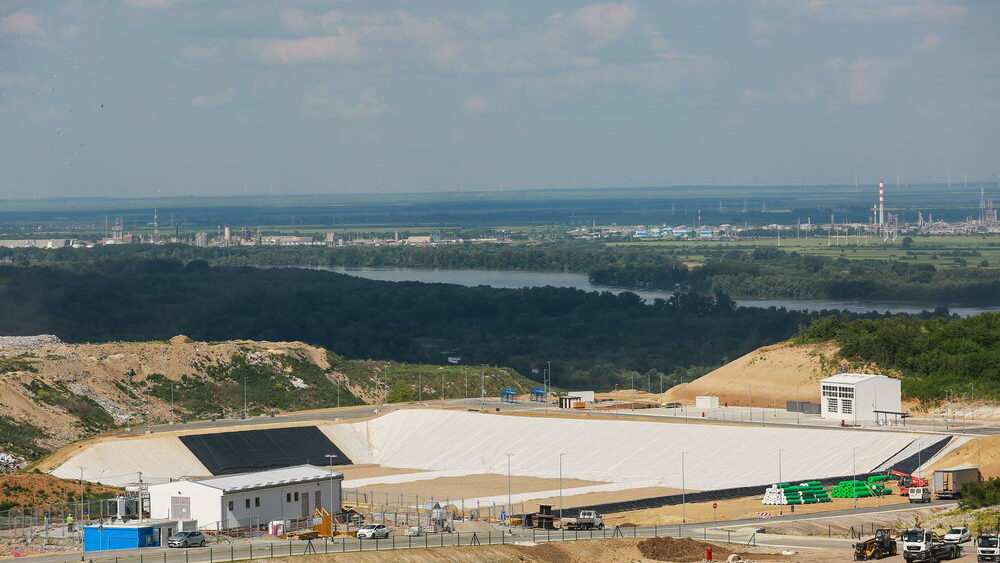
column 982, row 452
column 771, row 374
column 679, row 550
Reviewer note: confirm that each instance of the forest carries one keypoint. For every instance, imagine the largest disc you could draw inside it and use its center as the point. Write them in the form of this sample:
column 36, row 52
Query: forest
column 596, row 340
column 761, row 272
column 937, row 358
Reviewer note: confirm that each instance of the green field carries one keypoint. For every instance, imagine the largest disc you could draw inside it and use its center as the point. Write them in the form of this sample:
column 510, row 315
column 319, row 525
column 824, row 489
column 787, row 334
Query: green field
column 939, row 250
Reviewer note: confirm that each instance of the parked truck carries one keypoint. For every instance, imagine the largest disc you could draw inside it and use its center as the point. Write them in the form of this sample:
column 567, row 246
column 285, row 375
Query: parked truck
column 925, row 546
column 988, row 548
column 948, row 482
column 587, row 520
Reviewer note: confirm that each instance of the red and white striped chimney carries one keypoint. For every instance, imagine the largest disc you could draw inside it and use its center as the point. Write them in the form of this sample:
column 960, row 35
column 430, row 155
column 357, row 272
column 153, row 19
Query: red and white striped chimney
column 881, row 202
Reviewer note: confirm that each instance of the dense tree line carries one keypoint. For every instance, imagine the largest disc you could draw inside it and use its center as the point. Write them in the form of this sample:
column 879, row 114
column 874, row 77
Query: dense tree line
column 759, row 273
column 937, row 357
column 774, row 273
column 592, row 339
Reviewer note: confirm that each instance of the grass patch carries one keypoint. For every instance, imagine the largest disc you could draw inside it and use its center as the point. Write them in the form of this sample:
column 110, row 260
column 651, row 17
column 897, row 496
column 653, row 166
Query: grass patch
column 90, row 415
column 19, row 438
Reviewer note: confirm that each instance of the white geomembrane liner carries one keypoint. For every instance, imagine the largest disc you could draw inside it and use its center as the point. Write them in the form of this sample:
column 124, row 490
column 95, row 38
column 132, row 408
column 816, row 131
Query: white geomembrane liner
column 118, row 462
column 716, row 456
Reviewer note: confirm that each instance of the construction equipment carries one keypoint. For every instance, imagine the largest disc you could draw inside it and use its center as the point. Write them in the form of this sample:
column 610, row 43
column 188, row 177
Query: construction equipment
column 882, row 545
column 925, row 545
column 587, row 520
column 906, row 481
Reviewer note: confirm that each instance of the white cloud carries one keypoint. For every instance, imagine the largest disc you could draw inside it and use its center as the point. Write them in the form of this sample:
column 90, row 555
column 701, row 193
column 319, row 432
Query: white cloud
column 214, row 99
column 201, row 54
column 321, row 104
column 21, row 24
column 341, row 47
column 156, row 4
column 867, row 79
column 602, row 22
column 930, row 43
column 482, row 104
column 834, row 84
column 879, row 10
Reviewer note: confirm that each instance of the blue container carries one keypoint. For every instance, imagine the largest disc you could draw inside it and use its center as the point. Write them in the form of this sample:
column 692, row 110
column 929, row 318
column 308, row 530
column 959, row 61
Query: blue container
column 101, row 538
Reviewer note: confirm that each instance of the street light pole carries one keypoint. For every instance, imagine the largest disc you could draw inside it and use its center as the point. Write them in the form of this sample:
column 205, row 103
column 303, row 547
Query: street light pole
column 560, row 488
column 482, row 387
column 683, row 491
column 329, row 458
column 245, row 411
column 510, row 507
column 854, row 468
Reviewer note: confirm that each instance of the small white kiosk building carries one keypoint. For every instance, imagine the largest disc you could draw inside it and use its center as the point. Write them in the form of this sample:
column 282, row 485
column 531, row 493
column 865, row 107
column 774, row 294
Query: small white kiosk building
column 857, row 397
column 250, row 499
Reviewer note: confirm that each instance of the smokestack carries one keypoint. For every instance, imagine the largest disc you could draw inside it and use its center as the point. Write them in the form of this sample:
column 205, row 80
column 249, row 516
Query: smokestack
column 881, row 202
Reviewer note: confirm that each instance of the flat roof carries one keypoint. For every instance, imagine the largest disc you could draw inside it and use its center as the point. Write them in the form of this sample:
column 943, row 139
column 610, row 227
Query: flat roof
column 851, row 377
column 270, row 478
column 957, row 468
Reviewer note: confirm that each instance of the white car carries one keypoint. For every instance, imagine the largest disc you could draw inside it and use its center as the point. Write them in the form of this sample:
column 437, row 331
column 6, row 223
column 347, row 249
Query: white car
column 372, row 531
column 958, row 535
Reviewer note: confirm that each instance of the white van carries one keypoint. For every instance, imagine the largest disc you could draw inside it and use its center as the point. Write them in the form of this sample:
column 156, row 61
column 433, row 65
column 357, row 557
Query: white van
column 919, row 494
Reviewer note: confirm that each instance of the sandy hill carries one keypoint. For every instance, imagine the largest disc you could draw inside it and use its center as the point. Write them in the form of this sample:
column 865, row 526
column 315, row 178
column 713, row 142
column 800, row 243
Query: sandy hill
column 772, row 375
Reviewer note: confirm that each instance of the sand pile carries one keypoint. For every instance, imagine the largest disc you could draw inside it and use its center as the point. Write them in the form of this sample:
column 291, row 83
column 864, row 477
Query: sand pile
column 781, row 372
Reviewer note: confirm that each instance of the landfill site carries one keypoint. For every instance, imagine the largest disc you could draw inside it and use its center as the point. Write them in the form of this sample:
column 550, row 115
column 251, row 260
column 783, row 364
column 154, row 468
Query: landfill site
column 448, row 474
column 828, row 474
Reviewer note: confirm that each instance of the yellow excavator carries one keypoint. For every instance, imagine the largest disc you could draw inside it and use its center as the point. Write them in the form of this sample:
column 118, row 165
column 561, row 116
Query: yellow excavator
column 882, row 545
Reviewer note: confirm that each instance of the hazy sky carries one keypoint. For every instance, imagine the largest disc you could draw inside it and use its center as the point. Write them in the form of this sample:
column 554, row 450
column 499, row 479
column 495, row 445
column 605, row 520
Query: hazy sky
column 186, row 97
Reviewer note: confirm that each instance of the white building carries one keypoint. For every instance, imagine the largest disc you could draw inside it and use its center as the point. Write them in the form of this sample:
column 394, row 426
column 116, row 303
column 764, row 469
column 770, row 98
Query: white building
column 582, row 396
column 854, row 397
column 234, row 501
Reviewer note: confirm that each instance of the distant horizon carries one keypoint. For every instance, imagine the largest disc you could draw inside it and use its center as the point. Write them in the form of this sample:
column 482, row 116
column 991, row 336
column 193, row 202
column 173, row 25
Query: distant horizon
column 987, row 184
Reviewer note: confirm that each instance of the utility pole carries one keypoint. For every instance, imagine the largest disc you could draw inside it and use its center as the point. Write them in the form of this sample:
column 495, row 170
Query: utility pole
column 482, row 387
column 510, row 507
column 683, row 492
column 245, row 411
column 329, row 458
column 560, row 488
column 854, row 468
column 548, row 380
column 779, row 466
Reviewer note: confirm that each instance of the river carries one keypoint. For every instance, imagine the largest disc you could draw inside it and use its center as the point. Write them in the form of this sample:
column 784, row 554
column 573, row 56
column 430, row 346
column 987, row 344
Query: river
column 518, row 279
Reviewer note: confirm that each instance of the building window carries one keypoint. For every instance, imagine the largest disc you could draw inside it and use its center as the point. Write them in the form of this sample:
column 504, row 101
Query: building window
column 248, row 503
column 831, row 404
column 288, row 497
column 847, row 406
column 296, row 497
column 256, row 501
column 230, row 506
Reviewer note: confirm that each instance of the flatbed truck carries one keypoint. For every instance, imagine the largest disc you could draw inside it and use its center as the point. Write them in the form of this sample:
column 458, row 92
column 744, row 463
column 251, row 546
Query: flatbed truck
column 925, row 546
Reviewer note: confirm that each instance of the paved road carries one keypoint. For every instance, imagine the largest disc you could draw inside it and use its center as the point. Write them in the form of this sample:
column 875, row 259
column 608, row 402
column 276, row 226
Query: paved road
column 493, row 404
column 730, row 531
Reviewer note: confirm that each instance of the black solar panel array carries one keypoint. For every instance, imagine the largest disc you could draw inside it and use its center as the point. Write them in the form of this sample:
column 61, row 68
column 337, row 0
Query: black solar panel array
column 257, row 450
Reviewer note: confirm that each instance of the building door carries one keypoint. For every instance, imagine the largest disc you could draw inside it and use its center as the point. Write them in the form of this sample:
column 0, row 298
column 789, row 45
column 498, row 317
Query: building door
column 318, row 500
column 305, row 505
column 180, row 508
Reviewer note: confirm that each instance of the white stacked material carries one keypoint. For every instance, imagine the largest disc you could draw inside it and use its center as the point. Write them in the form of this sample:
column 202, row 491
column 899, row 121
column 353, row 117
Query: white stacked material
column 706, row 402
column 716, row 456
column 776, row 495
